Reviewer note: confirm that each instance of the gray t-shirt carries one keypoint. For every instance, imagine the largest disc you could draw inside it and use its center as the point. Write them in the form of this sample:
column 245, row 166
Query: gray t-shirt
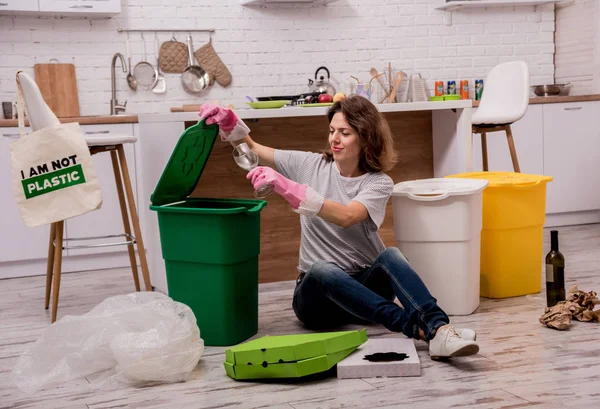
column 352, row 248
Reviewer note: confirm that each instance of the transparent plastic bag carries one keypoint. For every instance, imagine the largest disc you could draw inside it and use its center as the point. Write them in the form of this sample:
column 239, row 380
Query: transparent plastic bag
column 125, row 340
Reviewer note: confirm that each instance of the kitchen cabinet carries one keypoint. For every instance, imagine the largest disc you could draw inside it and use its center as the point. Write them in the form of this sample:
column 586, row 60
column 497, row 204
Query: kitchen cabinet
column 151, row 166
column 12, row 6
column 91, row 7
column 19, row 242
column 529, row 142
column 106, row 220
column 558, row 140
column 456, row 5
column 571, row 153
column 73, row 8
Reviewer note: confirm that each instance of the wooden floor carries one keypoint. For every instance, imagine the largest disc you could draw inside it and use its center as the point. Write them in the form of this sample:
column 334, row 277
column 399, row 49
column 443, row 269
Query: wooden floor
column 521, row 364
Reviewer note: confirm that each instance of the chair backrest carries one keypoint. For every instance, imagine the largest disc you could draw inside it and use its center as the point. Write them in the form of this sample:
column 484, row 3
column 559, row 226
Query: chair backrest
column 505, row 95
column 38, row 112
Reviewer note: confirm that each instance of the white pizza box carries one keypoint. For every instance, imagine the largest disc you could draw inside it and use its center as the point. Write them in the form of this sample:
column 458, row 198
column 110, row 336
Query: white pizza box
column 355, row 366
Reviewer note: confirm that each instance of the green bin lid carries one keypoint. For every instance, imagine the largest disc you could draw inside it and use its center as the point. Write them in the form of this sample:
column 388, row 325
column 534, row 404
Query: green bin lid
column 185, row 166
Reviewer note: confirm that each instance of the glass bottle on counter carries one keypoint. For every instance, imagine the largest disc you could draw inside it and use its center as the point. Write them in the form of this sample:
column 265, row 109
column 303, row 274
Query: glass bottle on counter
column 555, row 272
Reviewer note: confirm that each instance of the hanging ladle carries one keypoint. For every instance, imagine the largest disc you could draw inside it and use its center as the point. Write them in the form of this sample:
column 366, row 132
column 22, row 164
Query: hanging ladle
column 160, row 87
column 131, row 81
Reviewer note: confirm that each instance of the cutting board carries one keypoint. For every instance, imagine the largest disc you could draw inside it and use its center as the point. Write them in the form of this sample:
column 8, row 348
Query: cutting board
column 58, row 85
column 187, row 108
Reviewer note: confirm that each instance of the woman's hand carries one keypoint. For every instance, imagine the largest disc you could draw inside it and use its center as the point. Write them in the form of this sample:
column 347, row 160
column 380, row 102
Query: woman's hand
column 303, row 199
column 231, row 128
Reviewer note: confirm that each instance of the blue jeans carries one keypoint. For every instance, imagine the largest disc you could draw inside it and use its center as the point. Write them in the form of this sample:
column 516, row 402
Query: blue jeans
column 327, row 297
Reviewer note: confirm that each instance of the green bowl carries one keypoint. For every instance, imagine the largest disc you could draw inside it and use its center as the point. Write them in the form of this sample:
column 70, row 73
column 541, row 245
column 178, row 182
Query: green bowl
column 451, row 97
column 268, row 104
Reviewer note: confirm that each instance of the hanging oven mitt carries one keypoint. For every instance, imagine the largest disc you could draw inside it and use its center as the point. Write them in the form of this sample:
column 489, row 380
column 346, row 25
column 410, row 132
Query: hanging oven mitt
column 173, row 56
column 209, row 60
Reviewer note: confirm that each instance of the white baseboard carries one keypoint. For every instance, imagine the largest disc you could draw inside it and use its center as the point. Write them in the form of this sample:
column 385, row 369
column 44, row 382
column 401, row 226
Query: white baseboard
column 70, row 264
column 572, row 219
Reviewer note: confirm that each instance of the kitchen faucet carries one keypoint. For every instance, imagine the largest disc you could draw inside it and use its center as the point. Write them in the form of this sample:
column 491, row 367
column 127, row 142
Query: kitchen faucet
column 115, row 108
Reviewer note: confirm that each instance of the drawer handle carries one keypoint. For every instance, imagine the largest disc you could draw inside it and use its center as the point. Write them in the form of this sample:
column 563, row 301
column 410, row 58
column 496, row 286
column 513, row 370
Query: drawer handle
column 96, row 132
column 3, row 4
column 82, row 7
column 11, row 135
column 573, row 109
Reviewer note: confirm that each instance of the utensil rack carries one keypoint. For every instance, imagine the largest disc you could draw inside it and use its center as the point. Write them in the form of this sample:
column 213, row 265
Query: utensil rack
column 163, row 30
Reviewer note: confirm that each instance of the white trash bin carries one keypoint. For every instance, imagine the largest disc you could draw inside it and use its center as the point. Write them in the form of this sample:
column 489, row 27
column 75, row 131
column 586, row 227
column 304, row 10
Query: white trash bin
column 437, row 225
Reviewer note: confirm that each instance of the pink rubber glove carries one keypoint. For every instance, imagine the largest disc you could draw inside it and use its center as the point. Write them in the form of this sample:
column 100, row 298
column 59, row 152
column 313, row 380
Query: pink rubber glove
column 303, row 199
column 231, row 128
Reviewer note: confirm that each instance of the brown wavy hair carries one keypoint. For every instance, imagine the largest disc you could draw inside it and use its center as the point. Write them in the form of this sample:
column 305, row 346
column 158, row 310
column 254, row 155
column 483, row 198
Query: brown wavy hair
column 374, row 134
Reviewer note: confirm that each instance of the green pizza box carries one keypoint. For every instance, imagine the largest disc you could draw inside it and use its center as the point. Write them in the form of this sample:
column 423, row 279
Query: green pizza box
column 291, row 356
column 298, row 369
column 293, row 348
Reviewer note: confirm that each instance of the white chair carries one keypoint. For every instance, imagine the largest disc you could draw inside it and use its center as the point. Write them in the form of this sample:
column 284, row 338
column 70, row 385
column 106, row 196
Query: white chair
column 40, row 116
column 504, row 101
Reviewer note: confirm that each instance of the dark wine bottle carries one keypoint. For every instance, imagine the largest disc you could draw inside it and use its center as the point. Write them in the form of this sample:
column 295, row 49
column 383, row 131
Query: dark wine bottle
column 555, row 272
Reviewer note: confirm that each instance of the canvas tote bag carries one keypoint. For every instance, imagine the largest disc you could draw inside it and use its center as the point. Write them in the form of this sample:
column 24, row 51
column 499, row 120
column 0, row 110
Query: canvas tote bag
column 53, row 173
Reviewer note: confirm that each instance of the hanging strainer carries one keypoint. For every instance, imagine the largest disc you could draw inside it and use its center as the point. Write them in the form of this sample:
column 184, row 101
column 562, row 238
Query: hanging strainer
column 144, row 72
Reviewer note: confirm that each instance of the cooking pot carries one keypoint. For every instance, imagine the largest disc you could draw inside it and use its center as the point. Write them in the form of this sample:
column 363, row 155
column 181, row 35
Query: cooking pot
column 549, row 89
column 321, row 86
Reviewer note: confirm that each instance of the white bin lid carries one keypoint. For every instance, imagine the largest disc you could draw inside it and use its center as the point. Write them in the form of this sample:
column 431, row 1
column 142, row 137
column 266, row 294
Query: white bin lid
column 429, row 190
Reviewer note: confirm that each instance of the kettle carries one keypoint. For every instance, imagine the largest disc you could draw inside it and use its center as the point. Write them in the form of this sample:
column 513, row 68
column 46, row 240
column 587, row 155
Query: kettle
column 321, row 86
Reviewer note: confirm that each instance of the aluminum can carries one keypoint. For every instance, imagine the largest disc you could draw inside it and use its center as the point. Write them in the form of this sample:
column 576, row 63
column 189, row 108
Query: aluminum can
column 464, row 89
column 439, row 88
column 451, row 87
column 478, row 89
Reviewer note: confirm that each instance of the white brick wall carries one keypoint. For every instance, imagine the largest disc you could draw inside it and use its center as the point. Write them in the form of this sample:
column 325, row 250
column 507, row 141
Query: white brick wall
column 275, row 50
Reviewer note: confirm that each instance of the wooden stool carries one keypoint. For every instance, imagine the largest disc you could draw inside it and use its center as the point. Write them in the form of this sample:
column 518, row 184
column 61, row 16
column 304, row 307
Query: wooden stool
column 40, row 116
column 483, row 130
column 56, row 242
column 504, row 101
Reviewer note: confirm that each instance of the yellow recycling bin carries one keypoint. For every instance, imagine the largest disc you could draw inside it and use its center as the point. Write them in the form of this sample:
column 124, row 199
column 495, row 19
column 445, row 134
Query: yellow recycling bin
column 514, row 210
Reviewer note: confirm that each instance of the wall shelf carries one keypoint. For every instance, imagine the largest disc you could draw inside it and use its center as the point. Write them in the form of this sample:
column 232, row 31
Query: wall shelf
column 468, row 4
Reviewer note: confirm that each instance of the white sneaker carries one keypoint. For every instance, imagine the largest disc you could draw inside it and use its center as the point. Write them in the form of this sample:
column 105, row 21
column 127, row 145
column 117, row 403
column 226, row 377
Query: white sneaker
column 467, row 334
column 447, row 343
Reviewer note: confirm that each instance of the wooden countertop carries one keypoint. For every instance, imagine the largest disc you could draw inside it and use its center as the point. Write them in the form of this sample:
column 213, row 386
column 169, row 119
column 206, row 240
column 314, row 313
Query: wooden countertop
column 559, row 99
column 83, row 120
column 247, row 113
column 298, row 111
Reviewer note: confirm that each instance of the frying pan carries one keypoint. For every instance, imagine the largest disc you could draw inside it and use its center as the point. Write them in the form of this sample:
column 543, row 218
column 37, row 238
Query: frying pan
column 288, row 97
column 194, row 79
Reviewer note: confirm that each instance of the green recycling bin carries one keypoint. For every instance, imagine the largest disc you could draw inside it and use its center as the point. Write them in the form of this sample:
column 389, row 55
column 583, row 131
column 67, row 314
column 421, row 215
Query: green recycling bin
column 210, row 246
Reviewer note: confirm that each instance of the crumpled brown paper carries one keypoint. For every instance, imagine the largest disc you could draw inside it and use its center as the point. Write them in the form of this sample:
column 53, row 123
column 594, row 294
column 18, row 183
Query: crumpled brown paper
column 559, row 316
column 584, row 303
column 578, row 305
